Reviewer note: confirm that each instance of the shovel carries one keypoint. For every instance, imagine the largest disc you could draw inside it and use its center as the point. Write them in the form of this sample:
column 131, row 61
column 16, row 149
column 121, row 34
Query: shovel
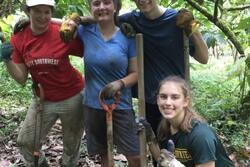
column 39, row 117
column 109, row 109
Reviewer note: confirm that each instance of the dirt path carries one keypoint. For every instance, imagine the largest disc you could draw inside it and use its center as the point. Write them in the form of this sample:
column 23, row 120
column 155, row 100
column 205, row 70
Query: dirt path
column 9, row 154
column 10, row 157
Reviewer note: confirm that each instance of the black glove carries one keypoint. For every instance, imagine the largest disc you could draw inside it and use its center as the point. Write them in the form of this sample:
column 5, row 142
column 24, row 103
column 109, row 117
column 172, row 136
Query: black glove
column 142, row 123
column 2, row 39
column 20, row 25
column 5, row 52
column 109, row 91
column 185, row 20
column 128, row 30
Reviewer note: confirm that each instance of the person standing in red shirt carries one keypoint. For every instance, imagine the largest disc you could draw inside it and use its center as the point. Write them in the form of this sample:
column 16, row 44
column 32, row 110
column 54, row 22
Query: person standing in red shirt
column 39, row 51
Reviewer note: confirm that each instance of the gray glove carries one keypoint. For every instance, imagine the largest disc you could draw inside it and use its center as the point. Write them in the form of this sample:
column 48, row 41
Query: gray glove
column 5, row 52
column 167, row 158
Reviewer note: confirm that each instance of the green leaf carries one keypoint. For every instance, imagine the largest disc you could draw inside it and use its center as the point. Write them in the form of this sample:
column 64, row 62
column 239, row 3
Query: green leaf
column 231, row 122
column 244, row 23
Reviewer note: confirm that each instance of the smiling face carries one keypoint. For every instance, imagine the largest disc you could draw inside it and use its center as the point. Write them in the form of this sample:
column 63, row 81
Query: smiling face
column 146, row 6
column 40, row 17
column 103, row 10
column 171, row 101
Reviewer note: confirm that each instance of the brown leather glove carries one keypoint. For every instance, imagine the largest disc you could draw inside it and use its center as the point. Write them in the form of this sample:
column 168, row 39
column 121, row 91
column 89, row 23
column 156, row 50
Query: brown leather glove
column 128, row 30
column 109, row 91
column 185, row 20
column 68, row 29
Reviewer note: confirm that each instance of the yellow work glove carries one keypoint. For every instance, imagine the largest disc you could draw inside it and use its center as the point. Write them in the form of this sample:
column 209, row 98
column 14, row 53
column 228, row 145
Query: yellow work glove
column 186, row 21
column 68, row 29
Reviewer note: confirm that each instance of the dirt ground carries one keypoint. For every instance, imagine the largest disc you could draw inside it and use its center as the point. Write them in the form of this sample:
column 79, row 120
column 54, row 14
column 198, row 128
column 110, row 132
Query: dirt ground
column 10, row 157
column 53, row 147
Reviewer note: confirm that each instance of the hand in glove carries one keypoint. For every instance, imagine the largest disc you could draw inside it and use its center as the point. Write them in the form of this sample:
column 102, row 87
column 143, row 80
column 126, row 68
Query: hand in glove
column 167, row 158
column 109, row 91
column 142, row 123
column 128, row 30
column 5, row 52
column 68, row 29
column 185, row 20
column 21, row 24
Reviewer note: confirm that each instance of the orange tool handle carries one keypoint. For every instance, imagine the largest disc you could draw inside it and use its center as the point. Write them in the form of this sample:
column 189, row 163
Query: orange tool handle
column 110, row 107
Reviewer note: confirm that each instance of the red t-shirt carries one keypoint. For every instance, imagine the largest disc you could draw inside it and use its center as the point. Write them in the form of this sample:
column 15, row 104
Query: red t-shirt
column 47, row 59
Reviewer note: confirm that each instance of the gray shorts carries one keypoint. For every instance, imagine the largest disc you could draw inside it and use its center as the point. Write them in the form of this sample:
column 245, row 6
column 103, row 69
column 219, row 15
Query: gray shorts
column 125, row 136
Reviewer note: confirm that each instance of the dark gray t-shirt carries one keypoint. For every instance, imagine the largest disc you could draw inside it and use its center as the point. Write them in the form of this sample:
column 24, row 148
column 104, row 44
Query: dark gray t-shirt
column 199, row 146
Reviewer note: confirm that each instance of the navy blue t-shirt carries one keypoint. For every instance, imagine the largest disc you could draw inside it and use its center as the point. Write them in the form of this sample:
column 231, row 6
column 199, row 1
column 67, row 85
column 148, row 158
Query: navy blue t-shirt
column 163, row 48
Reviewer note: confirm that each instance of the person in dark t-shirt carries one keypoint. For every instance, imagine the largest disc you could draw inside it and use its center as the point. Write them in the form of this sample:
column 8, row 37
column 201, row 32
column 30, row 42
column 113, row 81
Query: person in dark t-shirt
column 196, row 144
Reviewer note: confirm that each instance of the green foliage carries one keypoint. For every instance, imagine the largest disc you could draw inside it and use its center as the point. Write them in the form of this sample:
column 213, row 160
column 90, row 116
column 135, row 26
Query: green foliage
column 244, row 23
column 217, row 97
column 209, row 95
column 14, row 100
column 213, row 38
column 8, row 7
column 6, row 25
column 64, row 7
column 221, row 94
column 248, row 69
column 11, row 91
column 77, row 62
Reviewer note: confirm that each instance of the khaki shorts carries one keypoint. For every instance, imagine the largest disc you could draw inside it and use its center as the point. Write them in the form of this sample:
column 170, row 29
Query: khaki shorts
column 70, row 113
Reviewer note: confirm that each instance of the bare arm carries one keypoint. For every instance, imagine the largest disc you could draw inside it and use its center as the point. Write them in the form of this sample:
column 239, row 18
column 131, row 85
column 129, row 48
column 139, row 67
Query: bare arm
column 87, row 20
column 84, row 20
column 201, row 50
column 208, row 164
column 18, row 72
column 57, row 21
column 132, row 76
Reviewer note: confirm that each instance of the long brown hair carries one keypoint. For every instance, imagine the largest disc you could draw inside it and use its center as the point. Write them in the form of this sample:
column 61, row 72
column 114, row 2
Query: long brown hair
column 190, row 114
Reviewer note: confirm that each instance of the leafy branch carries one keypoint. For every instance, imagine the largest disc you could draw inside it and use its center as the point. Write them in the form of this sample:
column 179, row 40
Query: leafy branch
column 216, row 9
column 219, row 23
column 238, row 8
